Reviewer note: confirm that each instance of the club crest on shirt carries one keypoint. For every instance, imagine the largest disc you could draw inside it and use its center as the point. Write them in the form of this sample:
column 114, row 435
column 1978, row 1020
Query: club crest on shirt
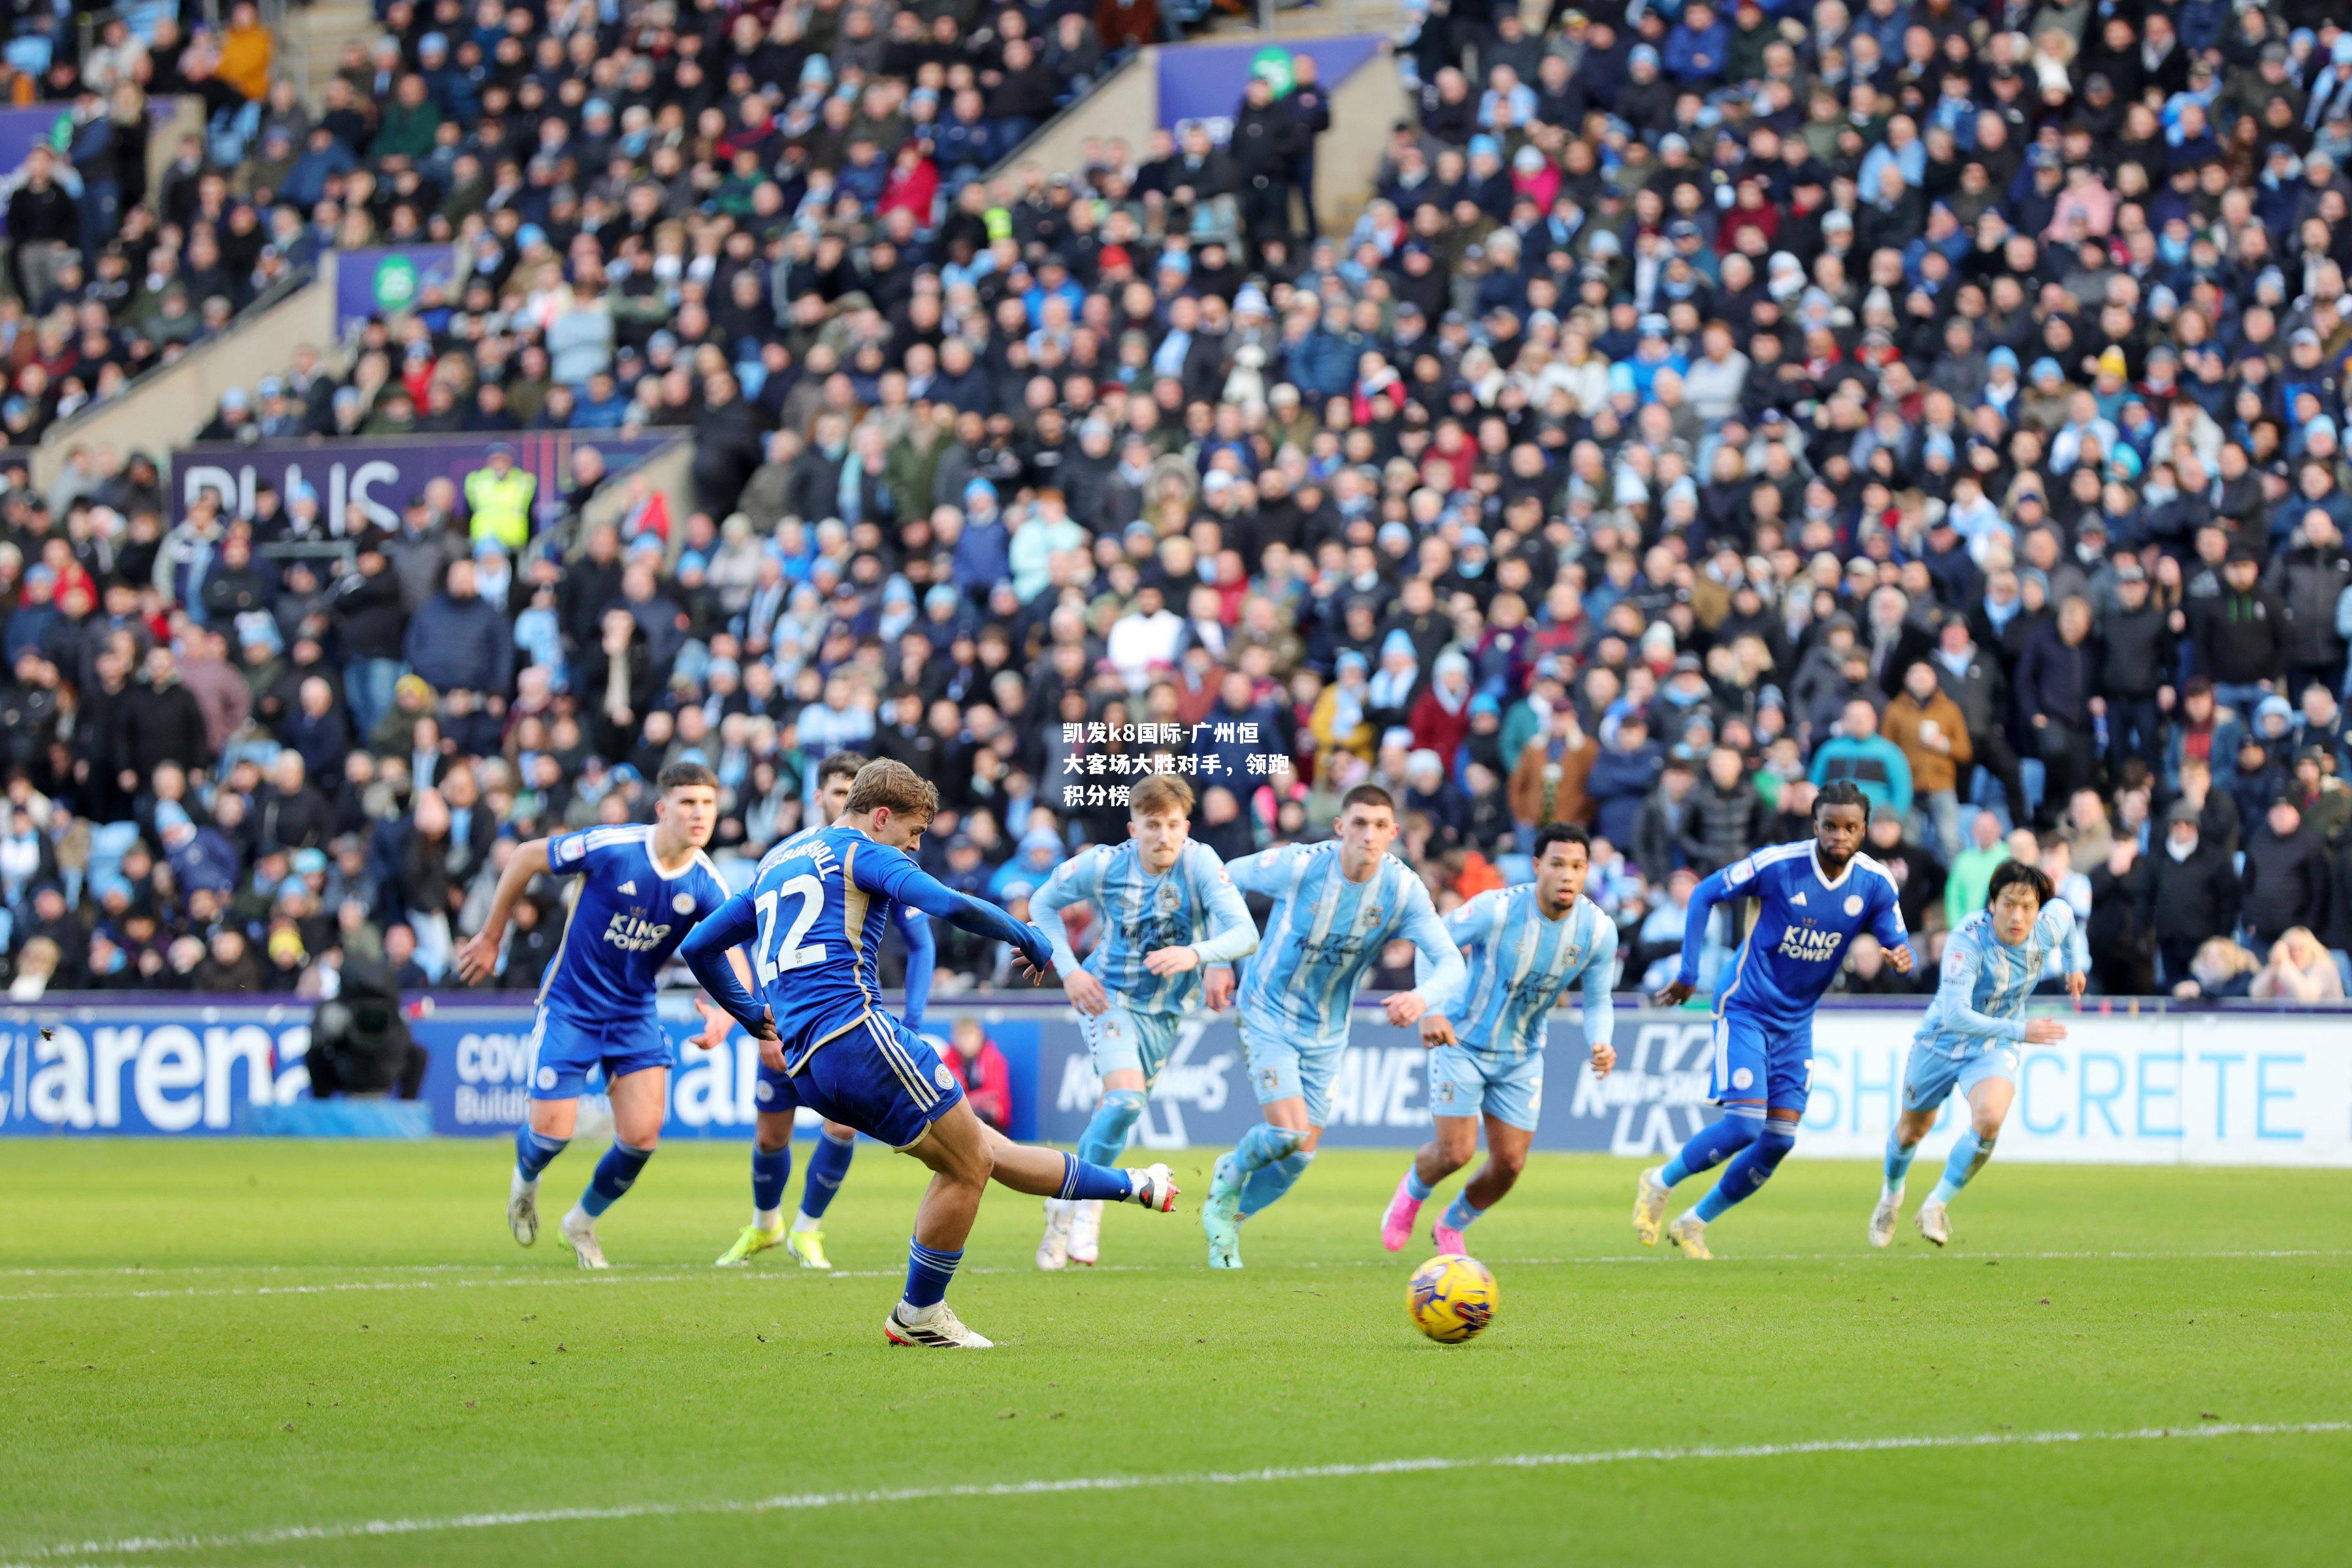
column 682, row 903
column 1169, row 899
column 1370, row 917
column 1853, row 903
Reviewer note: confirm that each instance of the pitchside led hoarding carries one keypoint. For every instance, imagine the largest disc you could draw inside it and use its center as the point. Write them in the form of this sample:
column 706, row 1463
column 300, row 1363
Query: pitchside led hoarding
column 2202, row 1089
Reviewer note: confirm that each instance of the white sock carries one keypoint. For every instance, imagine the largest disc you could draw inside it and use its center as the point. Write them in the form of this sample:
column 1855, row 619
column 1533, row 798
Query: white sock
column 1890, row 1194
column 517, row 1184
column 578, row 1218
column 768, row 1219
column 804, row 1220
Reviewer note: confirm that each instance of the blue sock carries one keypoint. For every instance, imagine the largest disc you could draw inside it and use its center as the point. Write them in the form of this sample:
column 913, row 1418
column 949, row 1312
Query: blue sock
column 1749, row 1169
column 769, row 1174
column 1083, row 1180
column 1415, row 1189
column 1968, row 1155
column 927, row 1273
column 1898, row 1161
column 533, row 1151
column 1263, row 1144
column 827, row 1164
column 1106, row 1135
column 1268, row 1182
column 1710, row 1146
column 1461, row 1213
column 616, row 1172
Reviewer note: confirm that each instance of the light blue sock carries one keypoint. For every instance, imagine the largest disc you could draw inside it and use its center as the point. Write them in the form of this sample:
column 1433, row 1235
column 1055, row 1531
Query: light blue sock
column 534, row 1151
column 1084, row 1180
column 1898, row 1161
column 1270, row 1182
column 1106, row 1135
column 1461, row 1213
column 1749, row 1169
column 769, row 1174
column 928, row 1270
column 1415, row 1189
column 828, row 1163
column 1710, row 1146
column 1263, row 1144
column 1968, row 1155
column 616, row 1172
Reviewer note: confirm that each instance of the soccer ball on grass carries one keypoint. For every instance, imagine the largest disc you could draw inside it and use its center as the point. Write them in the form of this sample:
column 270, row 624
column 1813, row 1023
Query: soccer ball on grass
column 1451, row 1298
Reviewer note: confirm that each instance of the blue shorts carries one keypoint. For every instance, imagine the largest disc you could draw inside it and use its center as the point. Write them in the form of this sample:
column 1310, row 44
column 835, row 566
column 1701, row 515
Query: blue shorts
column 565, row 1053
column 1466, row 1082
column 778, row 1094
column 1931, row 1074
column 881, row 1077
column 1759, row 1059
column 1282, row 1068
column 1135, row 1042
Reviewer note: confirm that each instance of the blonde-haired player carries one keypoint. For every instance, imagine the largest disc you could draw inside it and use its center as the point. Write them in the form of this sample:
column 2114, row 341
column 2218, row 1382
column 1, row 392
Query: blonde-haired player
column 1153, row 895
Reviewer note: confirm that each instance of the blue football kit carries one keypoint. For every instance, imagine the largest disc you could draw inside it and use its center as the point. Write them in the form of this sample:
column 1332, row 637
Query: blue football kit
column 596, row 1004
column 779, row 1093
column 1764, row 1017
column 1519, row 963
column 812, row 922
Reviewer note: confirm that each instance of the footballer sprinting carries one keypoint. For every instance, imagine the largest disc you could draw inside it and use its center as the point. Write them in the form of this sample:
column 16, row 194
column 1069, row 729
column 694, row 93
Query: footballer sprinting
column 1524, row 948
column 1970, row 1037
column 640, row 888
column 771, row 1138
column 1336, row 905
column 813, row 920
column 1812, row 898
column 1153, row 894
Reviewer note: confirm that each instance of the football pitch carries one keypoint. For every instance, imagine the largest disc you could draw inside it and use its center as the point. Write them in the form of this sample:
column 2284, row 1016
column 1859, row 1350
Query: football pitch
column 281, row 1354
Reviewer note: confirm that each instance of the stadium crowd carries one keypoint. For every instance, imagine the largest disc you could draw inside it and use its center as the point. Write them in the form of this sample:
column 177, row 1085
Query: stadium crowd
column 514, row 129
column 1707, row 403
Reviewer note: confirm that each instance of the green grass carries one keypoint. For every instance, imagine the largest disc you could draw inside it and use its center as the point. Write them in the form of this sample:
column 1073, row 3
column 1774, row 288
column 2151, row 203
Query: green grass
column 322, row 1335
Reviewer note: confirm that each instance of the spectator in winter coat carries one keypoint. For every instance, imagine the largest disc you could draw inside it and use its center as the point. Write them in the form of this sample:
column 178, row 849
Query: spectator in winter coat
column 1665, row 819
column 1933, row 735
column 1440, row 717
column 1859, row 752
column 982, row 1072
column 457, row 640
column 2057, row 695
column 2284, row 877
column 2299, row 969
column 1548, row 780
column 1622, row 778
column 1724, row 820
column 2240, row 633
column 2308, row 579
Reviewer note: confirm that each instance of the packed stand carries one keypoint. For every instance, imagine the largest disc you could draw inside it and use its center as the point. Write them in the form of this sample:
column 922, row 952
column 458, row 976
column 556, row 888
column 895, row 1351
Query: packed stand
column 1703, row 409
column 589, row 159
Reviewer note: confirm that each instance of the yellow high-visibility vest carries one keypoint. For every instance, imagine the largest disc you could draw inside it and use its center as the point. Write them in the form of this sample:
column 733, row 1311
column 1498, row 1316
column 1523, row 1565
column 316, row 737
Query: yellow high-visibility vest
column 501, row 508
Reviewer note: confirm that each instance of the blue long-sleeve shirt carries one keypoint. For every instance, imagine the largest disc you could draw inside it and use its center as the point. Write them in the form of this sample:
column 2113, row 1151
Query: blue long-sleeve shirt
column 1804, row 921
column 813, row 920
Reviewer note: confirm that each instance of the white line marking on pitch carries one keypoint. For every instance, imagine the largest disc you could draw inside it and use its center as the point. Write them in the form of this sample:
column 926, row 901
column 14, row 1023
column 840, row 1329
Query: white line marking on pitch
column 510, row 1275
column 361, row 1529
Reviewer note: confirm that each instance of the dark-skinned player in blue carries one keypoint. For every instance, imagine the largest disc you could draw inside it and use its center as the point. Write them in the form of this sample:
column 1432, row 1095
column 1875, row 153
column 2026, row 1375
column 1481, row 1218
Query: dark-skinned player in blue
column 1814, row 897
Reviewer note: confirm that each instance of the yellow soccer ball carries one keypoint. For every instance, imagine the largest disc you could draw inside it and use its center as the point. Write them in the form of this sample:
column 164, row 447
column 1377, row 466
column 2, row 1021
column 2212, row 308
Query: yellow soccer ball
column 1451, row 1298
